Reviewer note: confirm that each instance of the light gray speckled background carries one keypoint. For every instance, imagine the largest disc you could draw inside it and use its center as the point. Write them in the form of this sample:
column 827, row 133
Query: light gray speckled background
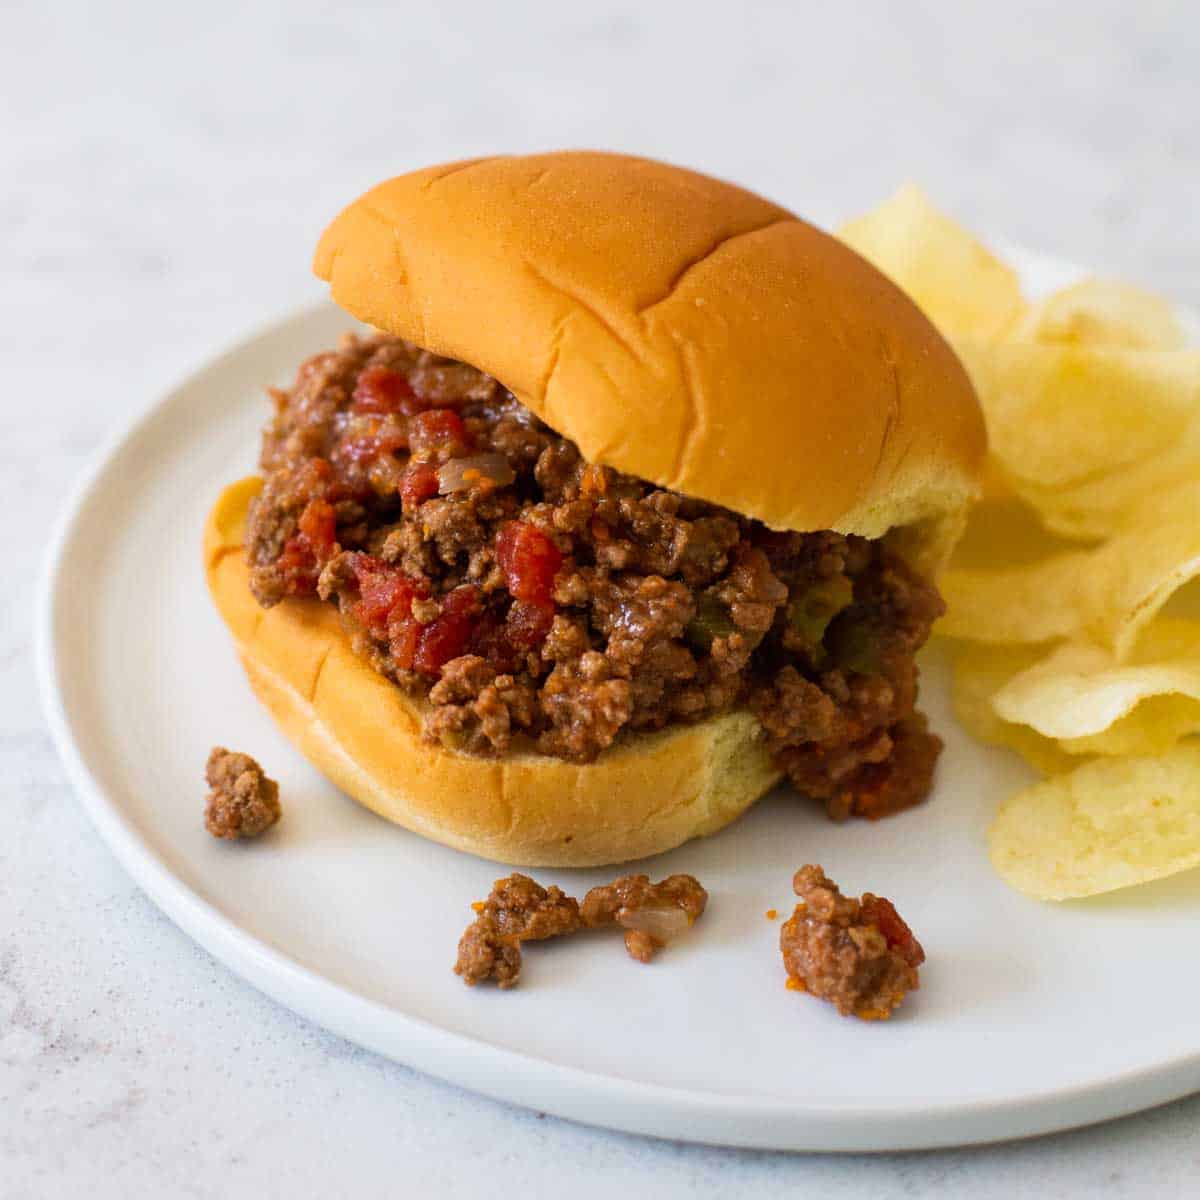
column 166, row 168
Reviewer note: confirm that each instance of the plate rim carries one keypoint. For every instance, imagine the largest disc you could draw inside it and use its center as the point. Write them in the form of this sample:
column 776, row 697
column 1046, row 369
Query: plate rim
column 515, row 1076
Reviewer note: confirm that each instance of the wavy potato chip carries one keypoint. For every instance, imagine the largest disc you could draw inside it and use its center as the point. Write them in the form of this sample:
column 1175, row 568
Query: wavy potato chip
column 959, row 284
column 1074, row 702
column 1155, row 725
column 1014, row 605
column 1093, row 508
column 1105, row 595
column 1083, row 434
column 1063, row 415
column 979, row 673
column 1002, row 530
column 1102, row 312
column 1085, row 659
column 1089, row 703
column 1110, row 823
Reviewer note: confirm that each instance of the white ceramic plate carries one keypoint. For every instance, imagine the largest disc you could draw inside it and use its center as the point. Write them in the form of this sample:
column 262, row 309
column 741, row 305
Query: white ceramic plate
column 1030, row 1018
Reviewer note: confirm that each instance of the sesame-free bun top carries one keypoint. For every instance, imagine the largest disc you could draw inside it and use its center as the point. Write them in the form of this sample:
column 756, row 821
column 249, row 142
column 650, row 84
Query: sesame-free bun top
column 677, row 328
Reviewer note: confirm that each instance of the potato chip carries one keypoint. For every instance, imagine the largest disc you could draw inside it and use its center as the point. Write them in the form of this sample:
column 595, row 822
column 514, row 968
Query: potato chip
column 979, row 673
column 1083, row 698
column 1105, row 595
column 1155, row 725
column 1014, row 605
column 1110, row 823
column 1004, row 531
column 1184, row 604
column 960, row 285
column 1093, row 508
column 1102, row 312
column 1085, row 659
column 1064, row 415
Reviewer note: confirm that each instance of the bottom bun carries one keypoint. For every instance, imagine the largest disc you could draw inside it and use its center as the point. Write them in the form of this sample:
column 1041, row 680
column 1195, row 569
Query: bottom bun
column 646, row 794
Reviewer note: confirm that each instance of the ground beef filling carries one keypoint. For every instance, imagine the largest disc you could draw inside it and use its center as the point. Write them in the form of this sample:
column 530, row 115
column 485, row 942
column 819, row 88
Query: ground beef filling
column 519, row 909
column 242, row 802
column 856, row 953
column 538, row 601
column 650, row 913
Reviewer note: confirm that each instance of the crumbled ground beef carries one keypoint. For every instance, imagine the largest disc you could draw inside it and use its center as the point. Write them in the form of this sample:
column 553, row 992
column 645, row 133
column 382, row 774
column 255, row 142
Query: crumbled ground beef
column 541, row 602
column 483, row 954
column 650, row 913
column 243, row 802
column 521, row 910
column 857, row 954
column 518, row 910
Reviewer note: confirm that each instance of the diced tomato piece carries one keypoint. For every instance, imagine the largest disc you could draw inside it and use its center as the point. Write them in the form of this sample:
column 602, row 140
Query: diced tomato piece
column 438, row 431
column 385, row 594
column 529, row 560
column 428, row 648
column 404, row 638
column 384, row 608
column 527, row 624
column 309, row 547
column 490, row 641
column 298, row 565
column 318, row 523
column 441, row 640
column 379, row 390
column 419, row 483
column 295, row 554
column 447, row 635
column 463, row 601
column 882, row 914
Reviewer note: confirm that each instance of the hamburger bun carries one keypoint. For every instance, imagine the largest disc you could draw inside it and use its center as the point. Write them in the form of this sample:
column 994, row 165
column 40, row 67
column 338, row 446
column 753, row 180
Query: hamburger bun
column 676, row 328
column 645, row 795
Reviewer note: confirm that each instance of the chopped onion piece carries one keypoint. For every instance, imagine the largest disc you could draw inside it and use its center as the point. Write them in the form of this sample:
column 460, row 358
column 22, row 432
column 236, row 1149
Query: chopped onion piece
column 661, row 923
column 459, row 474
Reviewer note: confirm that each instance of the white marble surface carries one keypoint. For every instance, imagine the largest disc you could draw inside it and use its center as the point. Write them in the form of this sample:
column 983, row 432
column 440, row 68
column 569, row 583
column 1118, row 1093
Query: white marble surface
column 166, row 169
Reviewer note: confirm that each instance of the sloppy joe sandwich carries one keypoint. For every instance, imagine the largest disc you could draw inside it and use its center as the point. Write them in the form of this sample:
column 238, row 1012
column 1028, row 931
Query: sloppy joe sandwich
column 628, row 506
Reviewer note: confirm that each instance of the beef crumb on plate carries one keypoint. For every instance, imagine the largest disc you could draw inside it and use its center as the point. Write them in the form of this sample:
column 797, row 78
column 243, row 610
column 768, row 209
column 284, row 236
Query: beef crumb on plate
column 858, row 954
column 520, row 910
column 242, row 802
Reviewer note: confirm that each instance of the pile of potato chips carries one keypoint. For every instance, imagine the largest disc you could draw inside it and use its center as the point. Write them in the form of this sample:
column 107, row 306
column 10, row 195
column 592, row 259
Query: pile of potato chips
column 1077, row 635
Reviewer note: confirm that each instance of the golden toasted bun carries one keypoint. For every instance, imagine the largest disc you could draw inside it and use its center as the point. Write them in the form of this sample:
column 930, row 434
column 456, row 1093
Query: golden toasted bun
column 677, row 328
column 648, row 793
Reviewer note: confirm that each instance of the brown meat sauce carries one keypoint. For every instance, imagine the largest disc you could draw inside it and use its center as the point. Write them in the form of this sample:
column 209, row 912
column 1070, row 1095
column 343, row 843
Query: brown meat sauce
column 519, row 909
column 242, row 802
column 650, row 913
column 540, row 602
column 858, row 954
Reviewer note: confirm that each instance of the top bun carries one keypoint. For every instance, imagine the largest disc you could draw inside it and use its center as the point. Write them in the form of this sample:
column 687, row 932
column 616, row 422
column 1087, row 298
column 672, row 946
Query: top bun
column 677, row 328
